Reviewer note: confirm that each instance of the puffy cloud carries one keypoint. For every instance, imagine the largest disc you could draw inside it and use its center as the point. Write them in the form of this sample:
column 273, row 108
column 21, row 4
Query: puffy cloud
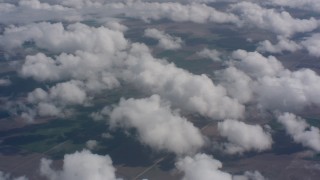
column 88, row 67
column 20, row 109
column 40, row 67
column 107, row 136
column 6, row 7
column 313, row 5
column 6, row 176
column 81, row 3
column 289, row 91
column 203, row 167
column 91, row 144
column 157, row 125
column 77, row 10
column 237, row 83
column 27, row 11
column 211, row 54
column 47, row 109
column 248, row 175
column 5, row 82
column 312, row 44
column 244, row 137
column 100, row 115
column 193, row 93
column 55, row 38
column 300, row 131
column 69, row 92
column 116, row 26
column 55, row 101
column 272, row 86
column 194, row 12
column 92, row 59
column 165, row 40
column 80, row 166
column 36, row 4
column 283, row 44
column 256, row 65
column 92, row 62
column 98, row 57
column 281, row 23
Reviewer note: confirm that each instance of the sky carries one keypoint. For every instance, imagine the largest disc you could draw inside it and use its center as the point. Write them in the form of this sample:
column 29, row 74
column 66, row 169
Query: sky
column 76, row 62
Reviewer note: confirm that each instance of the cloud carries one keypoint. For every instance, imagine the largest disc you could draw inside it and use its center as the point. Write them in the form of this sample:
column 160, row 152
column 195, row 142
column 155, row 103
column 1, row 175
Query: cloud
column 66, row 93
column 81, row 165
column 249, row 175
column 301, row 132
column 107, row 136
column 27, row 11
column 6, row 176
column 5, row 82
column 290, row 91
column 47, row 109
column 194, row 12
column 203, row 167
column 189, row 92
column 81, row 3
column 88, row 67
column 244, row 137
column 36, row 4
column 283, row 44
column 55, row 100
column 116, row 26
column 211, row 54
column 133, row 63
column 256, row 65
column 312, row 44
column 6, row 7
column 85, row 61
column 165, row 40
column 281, row 23
column 100, row 115
column 237, row 83
column 91, row 144
column 55, row 38
column 313, row 5
column 77, row 10
column 157, row 125
column 273, row 87
column 87, row 46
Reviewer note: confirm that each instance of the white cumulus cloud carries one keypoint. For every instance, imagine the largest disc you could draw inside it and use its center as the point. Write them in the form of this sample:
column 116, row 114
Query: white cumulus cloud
column 313, row 5
column 157, row 125
column 201, row 166
column 300, row 131
column 6, row 176
column 166, row 41
column 282, row 45
column 237, row 83
column 211, row 54
column 81, row 165
column 312, row 44
column 249, row 175
column 193, row 93
column 281, row 23
column 273, row 86
column 194, row 12
column 256, row 65
column 244, row 137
